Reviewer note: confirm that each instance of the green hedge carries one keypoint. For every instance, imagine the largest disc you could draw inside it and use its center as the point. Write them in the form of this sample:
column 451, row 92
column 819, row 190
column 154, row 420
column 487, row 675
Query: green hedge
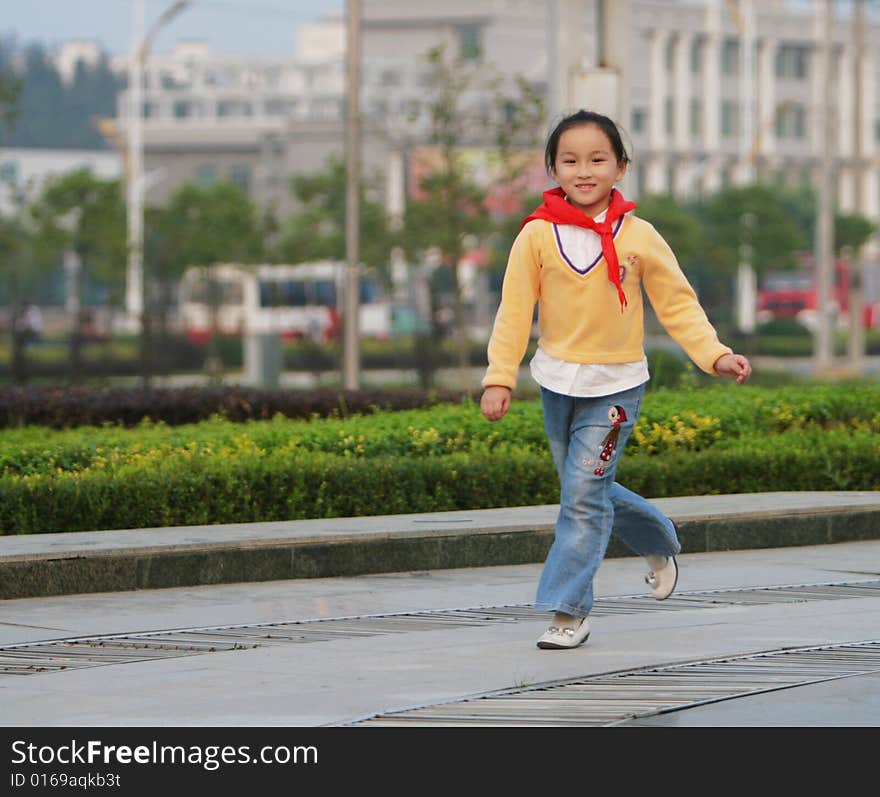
column 670, row 419
column 727, row 439
column 166, row 490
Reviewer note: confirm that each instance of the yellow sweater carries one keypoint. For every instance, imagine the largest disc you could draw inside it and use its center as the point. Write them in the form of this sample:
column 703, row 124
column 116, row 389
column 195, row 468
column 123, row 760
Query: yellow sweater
column 579, row 315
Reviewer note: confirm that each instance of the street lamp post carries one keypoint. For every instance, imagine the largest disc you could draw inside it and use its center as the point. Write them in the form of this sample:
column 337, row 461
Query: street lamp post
column 824, row 244
column 351, row 351
column 134, row 279
column 856, row 343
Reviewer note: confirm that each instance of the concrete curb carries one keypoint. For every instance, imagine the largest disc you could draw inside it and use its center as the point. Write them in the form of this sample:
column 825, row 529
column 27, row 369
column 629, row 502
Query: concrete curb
column 111, row 561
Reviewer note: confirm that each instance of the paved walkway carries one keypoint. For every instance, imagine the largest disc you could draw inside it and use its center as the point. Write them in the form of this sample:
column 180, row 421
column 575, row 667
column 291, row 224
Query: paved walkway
column 784, row 635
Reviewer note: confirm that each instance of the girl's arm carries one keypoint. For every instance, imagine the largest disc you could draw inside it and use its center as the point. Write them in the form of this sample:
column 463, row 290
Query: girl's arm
column 677, row 307
column 513, row 321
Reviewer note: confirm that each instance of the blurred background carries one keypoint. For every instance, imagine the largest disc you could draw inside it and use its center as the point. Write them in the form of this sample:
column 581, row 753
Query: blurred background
column 323, row 193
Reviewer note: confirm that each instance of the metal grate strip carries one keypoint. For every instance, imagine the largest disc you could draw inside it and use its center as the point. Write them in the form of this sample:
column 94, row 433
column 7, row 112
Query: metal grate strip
column 65, row 654
column 613, row 699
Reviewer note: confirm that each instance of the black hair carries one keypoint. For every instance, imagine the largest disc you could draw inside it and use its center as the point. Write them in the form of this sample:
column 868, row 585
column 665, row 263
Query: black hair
column 582, row 117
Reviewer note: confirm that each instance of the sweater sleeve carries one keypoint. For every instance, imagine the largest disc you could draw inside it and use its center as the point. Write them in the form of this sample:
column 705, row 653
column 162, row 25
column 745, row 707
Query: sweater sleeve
column 513, row 321
column 677, row 306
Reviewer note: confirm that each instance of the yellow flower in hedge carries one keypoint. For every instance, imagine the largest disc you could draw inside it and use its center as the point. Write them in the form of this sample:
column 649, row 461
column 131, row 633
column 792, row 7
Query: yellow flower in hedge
column 786, row 416
column 691, row 433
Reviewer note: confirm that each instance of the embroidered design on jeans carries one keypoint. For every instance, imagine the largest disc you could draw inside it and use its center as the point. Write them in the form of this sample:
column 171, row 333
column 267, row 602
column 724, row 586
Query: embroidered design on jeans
column 617, row 415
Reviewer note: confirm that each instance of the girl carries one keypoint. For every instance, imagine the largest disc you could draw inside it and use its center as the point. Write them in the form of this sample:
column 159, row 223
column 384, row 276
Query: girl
column 585, row 260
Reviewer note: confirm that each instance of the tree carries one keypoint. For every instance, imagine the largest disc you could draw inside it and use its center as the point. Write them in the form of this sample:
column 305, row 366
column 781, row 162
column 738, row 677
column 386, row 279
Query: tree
column 13, row 236
column 317, row 230
column 851, row 230
column 453, row 204
column 199, row 226
column 10, row 93
column 518, row 152
column 49, row 112
column 204, row 225
column 84, row 215
column 18, row 278
column 675, row 222
column 452, row 209
column 748, row 221
column 775, row 237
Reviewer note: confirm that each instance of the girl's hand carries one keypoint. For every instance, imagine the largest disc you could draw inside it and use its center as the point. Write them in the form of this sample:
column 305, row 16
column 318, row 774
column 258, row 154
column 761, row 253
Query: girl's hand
column 734, row 366
column 495, row 402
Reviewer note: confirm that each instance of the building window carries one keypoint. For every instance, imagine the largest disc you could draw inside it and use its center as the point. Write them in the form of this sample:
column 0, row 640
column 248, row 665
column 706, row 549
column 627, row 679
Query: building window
column 696, row 116
column 182, row 109
column 234, row 108
column 799, row 123
column 730, row 57
column 669, row 116
column 9, row 172
column 640, row 120
column 410, row 109
column 696, row 56
column 206, row 175
column 791, row 61
column 729, row 118
column 641, row 184
column 469, row 44
column 669, row 55
column 240, row 175
column 389, row 77
column 726, row 177
column 279, row 107
column 791, row 121
column 670, row 179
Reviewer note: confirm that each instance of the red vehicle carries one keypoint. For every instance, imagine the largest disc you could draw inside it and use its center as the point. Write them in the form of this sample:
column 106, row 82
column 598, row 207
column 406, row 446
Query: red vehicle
column 793, row 294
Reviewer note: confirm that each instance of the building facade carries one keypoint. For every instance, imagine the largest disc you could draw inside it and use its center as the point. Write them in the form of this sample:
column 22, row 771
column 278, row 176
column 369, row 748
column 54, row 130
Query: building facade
column 24, row 171
column 710, row 92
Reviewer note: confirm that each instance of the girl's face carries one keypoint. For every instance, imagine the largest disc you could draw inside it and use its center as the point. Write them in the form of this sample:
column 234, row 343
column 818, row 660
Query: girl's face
column 586, row 168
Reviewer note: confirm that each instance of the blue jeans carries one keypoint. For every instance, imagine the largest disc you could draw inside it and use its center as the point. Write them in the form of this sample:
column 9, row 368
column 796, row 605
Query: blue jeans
column 587, row 437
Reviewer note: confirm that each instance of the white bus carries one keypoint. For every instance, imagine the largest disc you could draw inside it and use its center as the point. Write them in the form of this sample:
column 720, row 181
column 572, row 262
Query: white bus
column 295, row 301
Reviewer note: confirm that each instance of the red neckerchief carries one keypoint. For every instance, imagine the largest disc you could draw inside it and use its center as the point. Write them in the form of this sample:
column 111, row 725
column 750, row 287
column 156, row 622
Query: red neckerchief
column 558, row 210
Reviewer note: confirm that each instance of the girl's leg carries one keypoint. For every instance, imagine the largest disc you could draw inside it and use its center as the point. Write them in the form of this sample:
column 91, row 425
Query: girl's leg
column 586, row 513
column 558, row 411
column 643, row 527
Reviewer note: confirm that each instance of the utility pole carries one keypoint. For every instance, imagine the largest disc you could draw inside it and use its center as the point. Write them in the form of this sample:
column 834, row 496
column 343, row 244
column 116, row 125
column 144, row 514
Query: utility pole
column 554, row 106
column 745, row 22
column 856, row 349
column 351, row 352
column 826, row 151
column 746, row 280
column 134, row 276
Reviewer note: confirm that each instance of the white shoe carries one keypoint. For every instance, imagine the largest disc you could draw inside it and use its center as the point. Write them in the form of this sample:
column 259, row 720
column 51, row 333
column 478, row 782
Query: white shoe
column 555, row 637
column 662, row 580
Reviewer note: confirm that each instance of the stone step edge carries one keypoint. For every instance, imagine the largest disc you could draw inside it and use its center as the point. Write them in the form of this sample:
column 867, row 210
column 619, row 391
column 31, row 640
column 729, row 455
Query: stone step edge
column 237, row 561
